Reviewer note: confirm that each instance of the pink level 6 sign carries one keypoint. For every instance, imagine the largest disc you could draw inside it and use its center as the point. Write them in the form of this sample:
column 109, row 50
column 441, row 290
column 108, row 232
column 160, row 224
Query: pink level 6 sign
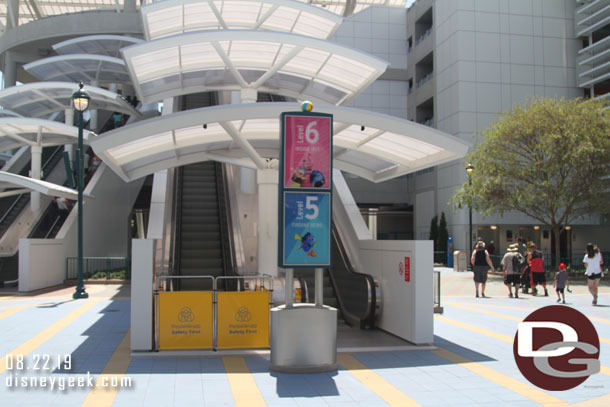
column 307, row 152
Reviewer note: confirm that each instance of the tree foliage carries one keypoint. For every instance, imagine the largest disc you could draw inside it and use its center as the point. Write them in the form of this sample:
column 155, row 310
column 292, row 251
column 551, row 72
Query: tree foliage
column 433, row 230
column 443, row 234
column 549, row 160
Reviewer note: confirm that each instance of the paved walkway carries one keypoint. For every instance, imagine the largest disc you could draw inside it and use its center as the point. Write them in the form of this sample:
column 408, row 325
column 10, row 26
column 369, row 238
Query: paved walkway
column 472, row 365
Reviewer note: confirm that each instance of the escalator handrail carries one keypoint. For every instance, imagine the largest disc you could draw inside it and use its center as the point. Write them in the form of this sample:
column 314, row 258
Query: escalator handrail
column 368, row 318
column 52, row 227
column 46, row 164
column 221, row 180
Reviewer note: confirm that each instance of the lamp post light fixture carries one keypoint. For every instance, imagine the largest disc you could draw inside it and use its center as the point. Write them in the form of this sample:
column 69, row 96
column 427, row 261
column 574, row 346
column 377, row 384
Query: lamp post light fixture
column 80, row 102
column 469, row 170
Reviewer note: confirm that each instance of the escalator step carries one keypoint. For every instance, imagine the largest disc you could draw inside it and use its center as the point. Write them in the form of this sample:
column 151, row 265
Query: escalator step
column 201, row 264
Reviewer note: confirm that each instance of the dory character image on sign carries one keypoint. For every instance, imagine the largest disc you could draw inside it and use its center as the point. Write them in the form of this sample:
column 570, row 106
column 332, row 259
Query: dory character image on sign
column 308, row 241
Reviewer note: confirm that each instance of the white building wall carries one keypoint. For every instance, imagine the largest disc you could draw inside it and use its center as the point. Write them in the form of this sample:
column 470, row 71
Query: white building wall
column 379, row 31
column 489, row 56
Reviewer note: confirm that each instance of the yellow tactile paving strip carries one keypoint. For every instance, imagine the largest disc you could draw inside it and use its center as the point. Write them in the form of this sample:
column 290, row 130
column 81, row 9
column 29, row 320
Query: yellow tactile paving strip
column 503, row 380
column 244, row 388
column 30, row 345
column 604, row 370
column 115, row 368
column 13, row 310
column 374, row 382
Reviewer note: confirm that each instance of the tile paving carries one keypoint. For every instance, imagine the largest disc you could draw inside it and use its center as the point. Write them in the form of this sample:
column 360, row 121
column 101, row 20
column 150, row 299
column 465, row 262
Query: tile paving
column 473, row 330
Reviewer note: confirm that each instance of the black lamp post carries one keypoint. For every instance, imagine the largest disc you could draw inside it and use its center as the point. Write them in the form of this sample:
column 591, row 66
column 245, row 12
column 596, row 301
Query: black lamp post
column 80, row 101
column 469, row 170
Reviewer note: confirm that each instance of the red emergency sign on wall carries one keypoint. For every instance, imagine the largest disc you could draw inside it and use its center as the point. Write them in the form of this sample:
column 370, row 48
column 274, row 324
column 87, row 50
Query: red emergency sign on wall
column 407, row 269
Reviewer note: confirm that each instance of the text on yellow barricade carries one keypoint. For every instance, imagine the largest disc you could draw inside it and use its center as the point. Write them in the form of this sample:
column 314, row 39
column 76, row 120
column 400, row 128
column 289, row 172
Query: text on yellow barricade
column 185, row 320
column 243, row 320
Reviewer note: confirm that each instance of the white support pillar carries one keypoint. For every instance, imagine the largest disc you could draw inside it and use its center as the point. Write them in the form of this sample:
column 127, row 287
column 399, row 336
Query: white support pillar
column 248, row 95
column 36, row 163
column 129, row 6
column 267, row 181
column 10, row 70
column 93, row 112
column 12, row 14
column 69, row 120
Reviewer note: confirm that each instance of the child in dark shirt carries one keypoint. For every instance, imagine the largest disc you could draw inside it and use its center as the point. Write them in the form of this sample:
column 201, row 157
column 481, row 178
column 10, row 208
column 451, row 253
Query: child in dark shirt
column 561, row 281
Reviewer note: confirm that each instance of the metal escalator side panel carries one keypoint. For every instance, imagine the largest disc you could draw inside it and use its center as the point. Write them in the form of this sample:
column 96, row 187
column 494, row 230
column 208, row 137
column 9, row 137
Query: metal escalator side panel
column 355, row 291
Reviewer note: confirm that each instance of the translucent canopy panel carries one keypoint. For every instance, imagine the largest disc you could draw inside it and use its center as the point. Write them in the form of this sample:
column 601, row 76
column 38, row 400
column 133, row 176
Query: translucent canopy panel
column 348, row 7
column 109, row 45
column 169, row 17
column 287, row 64
column 374, row 146
column 40, row 99
column 75, row 68
column 8, row 113
column 35, row 9
column 16, row 132
column 8, row 180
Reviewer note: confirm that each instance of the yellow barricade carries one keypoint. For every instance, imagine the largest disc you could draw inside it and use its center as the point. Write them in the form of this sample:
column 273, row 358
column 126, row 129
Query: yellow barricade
column 243, row 319
column 185, row 320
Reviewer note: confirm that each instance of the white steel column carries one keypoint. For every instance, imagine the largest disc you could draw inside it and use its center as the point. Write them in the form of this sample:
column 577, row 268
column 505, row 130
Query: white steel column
column 69, row 120
column 10, row 70
column 93, row 112
column 129, row 6
column 12, row 14
column 267, row 181
column 36, row 164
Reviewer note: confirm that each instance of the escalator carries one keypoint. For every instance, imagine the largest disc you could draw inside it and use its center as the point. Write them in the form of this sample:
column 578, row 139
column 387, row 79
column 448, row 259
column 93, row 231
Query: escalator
column 353, row 293
column 12, row 206
column 202, row 244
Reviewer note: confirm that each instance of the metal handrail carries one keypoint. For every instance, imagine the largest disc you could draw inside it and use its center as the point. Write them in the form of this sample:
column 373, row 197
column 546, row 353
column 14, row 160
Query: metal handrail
column 262, row 278
column 43, row 168
column 221, row 180
column 168, row 277
column 52, row 227
column 368, row 319
column 176, row 223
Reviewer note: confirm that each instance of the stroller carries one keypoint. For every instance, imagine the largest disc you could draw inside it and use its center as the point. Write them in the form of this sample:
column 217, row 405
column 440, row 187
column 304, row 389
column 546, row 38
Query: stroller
column 526, row 280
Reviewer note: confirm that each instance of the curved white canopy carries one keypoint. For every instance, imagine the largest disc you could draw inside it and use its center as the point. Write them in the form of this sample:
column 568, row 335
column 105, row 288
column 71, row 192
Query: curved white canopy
column 282, row 63
column 9, row 180
column 348, row 7
column 171, row 17
column 76, row 68
column 25, row 131
column 372, row 145
column 8, row 113
column 39, row 99
column 109, row 45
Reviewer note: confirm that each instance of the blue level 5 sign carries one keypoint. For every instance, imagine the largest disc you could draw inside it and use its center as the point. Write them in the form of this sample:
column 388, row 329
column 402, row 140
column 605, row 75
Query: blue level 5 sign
column 306, row 229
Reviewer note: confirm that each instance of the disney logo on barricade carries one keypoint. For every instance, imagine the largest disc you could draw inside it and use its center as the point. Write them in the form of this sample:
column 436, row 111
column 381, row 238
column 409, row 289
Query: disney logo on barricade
column 186, row 315
column 243, row 315
column 556, row 348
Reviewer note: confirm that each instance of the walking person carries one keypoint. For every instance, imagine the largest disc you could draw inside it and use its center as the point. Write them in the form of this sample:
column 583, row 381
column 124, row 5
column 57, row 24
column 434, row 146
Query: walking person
column 536, row 261
column 481, row 264
column 511, row 263
column 561, row 282
column 524, row 271
column 593, row 262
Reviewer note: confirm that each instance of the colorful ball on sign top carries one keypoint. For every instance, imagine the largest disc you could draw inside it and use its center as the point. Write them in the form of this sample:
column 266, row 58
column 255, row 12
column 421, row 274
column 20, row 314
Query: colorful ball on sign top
column 306, row 106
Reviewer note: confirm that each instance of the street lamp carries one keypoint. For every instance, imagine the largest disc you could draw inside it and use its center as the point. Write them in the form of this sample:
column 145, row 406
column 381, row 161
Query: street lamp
column 80, row 101
column 469, row 170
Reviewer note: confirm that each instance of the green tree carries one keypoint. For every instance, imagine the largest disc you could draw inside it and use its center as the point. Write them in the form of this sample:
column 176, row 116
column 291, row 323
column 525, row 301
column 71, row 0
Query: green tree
column 434, row 230
column 549, row 160
column 443, row 234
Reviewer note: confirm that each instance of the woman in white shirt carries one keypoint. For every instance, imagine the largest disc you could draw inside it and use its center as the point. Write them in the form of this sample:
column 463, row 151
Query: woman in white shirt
column 593, row 262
